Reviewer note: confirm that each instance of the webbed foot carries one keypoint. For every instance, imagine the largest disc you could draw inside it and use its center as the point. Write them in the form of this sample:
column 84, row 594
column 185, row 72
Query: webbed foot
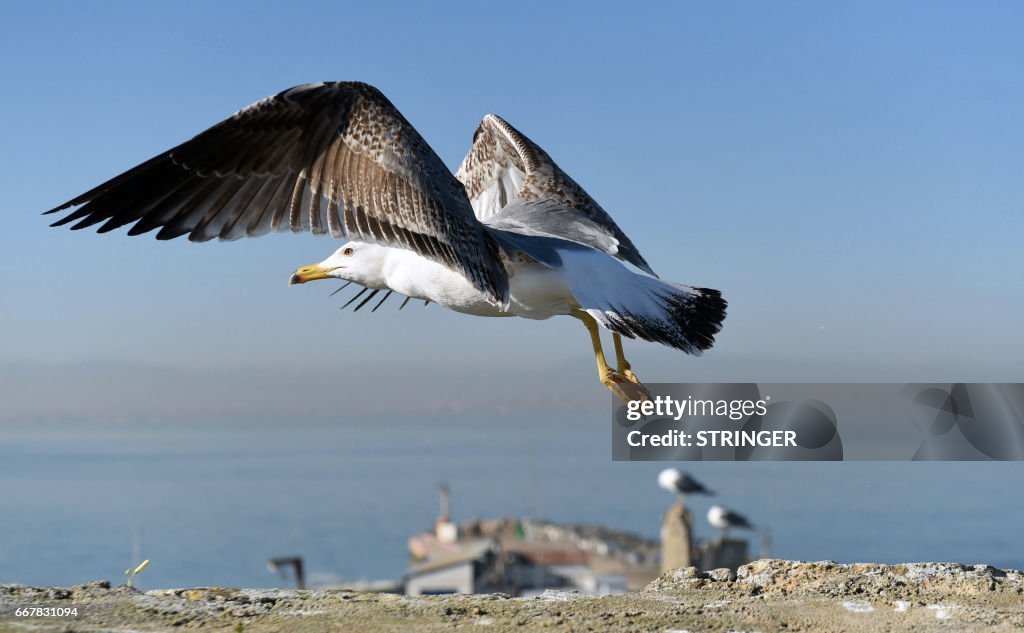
column 624, row 387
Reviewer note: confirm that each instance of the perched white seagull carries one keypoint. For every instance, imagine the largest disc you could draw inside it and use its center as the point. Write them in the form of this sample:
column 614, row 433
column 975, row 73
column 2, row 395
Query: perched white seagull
column 510, row 234
column 724, row 519
column 681, row 484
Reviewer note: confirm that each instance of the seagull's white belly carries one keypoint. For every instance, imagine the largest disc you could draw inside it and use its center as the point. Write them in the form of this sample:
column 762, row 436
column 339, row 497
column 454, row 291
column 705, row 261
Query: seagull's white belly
column 538, row 292
column 535, row 291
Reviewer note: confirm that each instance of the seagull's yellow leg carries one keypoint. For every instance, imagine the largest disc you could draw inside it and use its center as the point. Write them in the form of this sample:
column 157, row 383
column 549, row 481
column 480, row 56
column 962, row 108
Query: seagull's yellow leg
column 621, row 387
column 595, row 338
column 620, row 359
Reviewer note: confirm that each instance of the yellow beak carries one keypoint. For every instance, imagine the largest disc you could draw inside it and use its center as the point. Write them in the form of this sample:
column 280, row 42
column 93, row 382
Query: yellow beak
column 309, row 273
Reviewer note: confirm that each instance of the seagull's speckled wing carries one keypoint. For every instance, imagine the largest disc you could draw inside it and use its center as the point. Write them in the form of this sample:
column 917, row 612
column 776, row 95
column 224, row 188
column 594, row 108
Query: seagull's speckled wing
column 332, row 158
column 504, row 165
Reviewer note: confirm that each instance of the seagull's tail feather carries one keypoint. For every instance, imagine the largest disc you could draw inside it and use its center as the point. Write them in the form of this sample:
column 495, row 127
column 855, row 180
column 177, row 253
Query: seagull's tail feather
column 679, row 316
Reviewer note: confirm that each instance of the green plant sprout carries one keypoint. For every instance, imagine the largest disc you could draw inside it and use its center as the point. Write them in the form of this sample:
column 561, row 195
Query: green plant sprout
column 131, row 573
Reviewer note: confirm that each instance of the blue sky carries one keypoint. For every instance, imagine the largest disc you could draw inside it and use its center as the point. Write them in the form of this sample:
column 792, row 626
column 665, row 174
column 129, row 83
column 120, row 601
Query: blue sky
column 849, row 175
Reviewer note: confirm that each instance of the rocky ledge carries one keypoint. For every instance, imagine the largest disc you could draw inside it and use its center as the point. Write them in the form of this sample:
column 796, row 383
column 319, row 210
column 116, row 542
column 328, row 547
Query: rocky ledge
column 766, row 595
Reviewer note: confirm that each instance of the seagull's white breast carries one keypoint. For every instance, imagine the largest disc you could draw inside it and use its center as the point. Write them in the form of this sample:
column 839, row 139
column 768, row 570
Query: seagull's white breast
column 535, row 291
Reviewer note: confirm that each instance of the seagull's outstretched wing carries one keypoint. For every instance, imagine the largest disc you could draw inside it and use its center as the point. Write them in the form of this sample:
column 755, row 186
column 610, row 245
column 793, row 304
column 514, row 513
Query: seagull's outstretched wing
column 504, row 165
column 332, row 158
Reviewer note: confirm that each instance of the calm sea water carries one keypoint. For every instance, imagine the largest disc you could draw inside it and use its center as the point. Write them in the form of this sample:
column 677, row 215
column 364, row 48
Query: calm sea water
column 210, row 502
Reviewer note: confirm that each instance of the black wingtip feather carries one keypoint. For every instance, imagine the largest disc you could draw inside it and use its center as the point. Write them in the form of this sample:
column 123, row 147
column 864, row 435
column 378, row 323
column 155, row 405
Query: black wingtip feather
column 343, row 286
column 357, row 295
column 66, row 205
column 364, row 301
column 381, row 302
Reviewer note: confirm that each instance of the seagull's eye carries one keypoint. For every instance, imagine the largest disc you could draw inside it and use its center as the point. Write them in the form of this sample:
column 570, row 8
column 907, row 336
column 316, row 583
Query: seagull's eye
column 348, row 251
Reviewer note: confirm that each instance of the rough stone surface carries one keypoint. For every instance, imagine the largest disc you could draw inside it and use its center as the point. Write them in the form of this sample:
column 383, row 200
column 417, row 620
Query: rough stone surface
column 766, row 595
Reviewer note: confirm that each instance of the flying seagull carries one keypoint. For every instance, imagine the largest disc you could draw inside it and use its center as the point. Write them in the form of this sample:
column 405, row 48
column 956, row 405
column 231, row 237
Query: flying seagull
column 681, row 484
column 724, row 519
column 510, row 234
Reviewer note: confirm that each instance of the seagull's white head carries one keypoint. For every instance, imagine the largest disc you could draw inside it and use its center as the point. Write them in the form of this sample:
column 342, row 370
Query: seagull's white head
column 355, row 261
column 669, row 479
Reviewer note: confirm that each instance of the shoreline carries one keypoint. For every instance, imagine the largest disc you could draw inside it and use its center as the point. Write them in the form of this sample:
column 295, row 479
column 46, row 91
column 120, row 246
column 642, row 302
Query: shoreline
column 766, row 595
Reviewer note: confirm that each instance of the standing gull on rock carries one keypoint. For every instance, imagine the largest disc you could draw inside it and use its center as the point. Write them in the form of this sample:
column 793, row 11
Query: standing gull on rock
column 725, row 519
column 510, row 234
column 681, row 484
